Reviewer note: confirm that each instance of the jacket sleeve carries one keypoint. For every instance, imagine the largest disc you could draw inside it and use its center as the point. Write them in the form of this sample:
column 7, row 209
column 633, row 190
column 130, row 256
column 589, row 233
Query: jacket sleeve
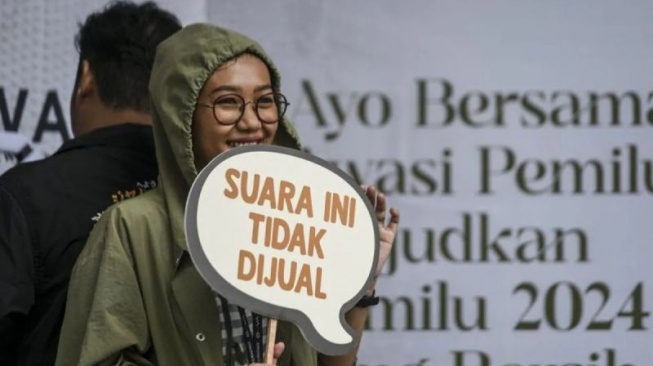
column 105, row 321
column 16, row 274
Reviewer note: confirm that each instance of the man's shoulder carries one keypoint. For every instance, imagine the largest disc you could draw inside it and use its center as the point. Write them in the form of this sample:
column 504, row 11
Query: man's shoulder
column 25, row 175
column 32, row 171
column 38, row 175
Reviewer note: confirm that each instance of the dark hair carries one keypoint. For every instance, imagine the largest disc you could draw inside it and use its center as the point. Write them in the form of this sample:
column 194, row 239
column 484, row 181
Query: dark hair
column 119, row 44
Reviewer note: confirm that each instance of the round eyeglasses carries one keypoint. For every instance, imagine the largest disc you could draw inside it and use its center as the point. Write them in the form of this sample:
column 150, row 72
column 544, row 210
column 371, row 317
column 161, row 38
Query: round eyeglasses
column 229, row 109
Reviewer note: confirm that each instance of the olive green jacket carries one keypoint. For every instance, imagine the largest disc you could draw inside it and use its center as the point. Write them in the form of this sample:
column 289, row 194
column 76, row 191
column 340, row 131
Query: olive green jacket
column 135, row 297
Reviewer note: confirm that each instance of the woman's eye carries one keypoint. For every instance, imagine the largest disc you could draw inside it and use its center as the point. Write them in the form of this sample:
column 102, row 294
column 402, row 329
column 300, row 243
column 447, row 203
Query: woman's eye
column 266, row 101
column 227, row 101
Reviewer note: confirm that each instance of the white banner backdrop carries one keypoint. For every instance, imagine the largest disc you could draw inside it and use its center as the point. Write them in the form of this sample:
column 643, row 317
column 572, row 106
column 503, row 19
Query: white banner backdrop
column 38, row 61
column 515, row 138
column 513, row 135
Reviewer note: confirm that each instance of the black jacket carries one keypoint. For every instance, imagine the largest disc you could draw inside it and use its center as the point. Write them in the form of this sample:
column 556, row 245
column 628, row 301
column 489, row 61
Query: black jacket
column 47, row 209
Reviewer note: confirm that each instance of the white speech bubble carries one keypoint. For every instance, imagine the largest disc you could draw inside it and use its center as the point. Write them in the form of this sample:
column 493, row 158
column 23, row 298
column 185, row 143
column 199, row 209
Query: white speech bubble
column 304, row 215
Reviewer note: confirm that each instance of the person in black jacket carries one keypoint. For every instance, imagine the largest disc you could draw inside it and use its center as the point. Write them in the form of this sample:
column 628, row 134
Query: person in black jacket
column 48, row 207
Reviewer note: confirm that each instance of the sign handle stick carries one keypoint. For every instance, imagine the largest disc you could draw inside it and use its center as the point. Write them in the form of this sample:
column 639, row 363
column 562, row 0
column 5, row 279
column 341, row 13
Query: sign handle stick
column 269, row 349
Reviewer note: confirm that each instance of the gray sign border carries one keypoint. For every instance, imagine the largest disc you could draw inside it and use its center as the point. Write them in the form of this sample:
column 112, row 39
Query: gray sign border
column 238, row 297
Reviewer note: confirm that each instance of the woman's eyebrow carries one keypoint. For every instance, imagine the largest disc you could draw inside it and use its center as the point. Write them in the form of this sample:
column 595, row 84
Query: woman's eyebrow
column 229, row 88
column 235, row 89
column 262, row 87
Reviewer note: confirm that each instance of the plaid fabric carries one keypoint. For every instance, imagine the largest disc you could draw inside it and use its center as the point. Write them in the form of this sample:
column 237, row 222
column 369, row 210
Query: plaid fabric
column 239, row 353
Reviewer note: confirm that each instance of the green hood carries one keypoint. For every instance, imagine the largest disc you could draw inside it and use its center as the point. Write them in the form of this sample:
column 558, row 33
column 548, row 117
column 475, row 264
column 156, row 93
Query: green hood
column 182, row 65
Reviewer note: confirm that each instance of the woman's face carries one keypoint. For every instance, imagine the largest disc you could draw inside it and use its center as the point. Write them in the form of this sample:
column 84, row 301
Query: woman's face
column 248, row 77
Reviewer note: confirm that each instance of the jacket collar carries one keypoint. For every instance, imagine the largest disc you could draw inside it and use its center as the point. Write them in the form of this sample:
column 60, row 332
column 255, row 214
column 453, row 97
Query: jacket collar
column 127, row 134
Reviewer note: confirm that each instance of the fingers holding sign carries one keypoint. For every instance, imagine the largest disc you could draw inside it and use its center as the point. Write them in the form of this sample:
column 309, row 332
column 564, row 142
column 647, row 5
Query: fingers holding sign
column 278, row 350
column 387, row 227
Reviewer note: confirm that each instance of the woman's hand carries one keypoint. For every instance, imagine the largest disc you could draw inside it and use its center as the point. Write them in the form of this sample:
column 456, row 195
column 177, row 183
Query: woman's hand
column 387, row 228
column 278, row 350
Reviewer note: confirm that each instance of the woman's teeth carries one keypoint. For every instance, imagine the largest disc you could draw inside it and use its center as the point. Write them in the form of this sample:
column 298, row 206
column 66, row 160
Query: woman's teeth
column 237, row 144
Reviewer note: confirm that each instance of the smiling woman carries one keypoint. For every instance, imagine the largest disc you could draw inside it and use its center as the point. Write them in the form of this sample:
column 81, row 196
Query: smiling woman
column 138, row 297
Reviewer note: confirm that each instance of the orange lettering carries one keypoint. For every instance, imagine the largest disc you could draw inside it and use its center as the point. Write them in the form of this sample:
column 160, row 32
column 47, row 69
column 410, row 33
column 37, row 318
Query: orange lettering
column 352, row 212
column 229, row 175
column 305, row 280
column 246, row 256
column 314, row 244
column 267, row 193
column 327, row 207
column 297, row 239
column 280, row 233
column 250, row 197
column 305, row 202
column 337, row 208
column 318, row 284
column 257, row 219
column 287, row 284
column 270, row 281
column 260, row 269
column 282, row 273
column 286, row 192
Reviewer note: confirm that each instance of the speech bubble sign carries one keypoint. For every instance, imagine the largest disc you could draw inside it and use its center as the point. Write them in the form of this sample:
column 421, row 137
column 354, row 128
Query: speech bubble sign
column 287, row 235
